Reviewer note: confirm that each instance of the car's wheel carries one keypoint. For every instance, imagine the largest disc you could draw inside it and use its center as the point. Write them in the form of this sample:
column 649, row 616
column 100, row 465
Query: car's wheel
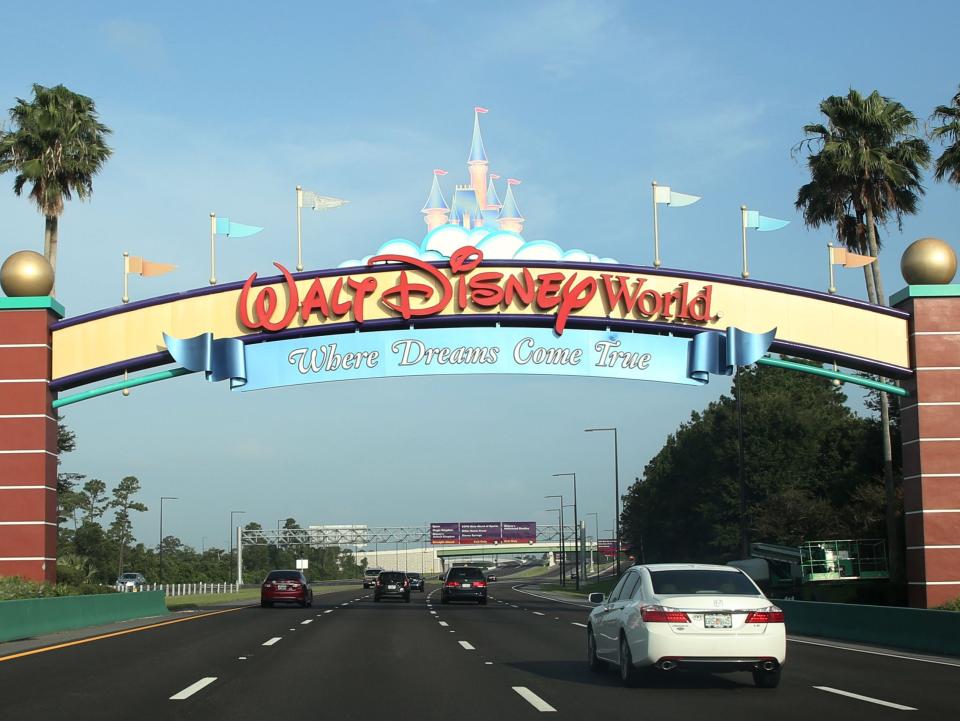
column 628, row 673
column 766, row 679
column 444, row 600
column 593, row 661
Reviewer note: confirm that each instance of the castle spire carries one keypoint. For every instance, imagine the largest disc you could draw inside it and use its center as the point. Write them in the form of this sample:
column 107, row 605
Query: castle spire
column 493, row 200
column 478, row 153
column 435, row 210
column 510, row 216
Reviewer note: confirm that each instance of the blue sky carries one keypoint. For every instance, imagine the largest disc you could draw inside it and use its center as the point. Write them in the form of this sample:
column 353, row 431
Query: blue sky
column 227, row 109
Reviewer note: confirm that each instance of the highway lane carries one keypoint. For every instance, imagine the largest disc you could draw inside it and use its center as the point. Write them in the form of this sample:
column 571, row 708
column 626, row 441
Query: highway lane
column 518, row 657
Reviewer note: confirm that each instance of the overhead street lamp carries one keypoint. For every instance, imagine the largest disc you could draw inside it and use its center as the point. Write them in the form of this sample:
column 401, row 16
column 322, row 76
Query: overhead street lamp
column 576, row 527
column 232, row 514
column 563, row 552
column 162, row 499
column 616, row 484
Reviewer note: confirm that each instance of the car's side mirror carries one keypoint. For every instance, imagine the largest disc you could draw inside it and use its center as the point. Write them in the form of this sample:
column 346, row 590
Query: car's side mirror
column 595, row 598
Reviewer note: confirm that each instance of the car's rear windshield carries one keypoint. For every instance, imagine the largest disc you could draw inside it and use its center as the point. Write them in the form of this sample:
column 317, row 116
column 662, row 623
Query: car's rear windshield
column 130, row 575
column 413, row 575
column 456, row 573
column 283, row 576
column 371, row 572
column 392, row 577
column 691, row 581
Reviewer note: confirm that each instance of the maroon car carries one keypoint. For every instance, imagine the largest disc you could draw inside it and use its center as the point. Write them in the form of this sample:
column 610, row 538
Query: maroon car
column 285, row 587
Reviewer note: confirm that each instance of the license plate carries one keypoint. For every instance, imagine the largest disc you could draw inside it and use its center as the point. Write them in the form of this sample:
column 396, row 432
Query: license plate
column 391, row 587
column 717, row 620
column 464, row 585
column 282, row 587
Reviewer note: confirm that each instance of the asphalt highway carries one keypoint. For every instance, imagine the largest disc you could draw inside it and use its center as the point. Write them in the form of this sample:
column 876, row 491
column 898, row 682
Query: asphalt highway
column 519, row 657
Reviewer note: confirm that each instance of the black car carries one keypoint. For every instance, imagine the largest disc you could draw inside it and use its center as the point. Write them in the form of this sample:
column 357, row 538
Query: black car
column 464, row 583
column 416, row 582
column 392, row 584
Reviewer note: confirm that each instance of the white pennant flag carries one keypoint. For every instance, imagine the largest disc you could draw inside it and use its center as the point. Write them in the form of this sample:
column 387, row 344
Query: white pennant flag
column 309, row 199
column 662, row 195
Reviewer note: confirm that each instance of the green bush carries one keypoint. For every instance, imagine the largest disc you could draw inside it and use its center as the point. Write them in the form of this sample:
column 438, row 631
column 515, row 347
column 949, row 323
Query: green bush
column 14, row 587
column 953, row 605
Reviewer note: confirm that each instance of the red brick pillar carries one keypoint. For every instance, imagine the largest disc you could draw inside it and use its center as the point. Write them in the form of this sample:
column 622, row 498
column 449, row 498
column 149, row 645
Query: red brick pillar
column 28, row 440
column 931, row 444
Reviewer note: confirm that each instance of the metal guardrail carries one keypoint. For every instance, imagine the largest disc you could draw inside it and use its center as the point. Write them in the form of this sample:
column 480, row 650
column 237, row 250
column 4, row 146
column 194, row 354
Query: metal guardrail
column 182, row 589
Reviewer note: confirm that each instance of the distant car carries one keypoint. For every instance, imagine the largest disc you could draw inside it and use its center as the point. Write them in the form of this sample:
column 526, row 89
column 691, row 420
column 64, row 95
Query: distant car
column 392, row 584
column 491, row 577
column 131, row 582
column 370, row 577
column 464, row 583
column 285, row 587
column 687, row 616
column 416, row 582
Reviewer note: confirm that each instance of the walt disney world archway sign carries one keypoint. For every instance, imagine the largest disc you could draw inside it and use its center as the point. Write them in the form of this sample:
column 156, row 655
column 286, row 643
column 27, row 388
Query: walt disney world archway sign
column 400, row 316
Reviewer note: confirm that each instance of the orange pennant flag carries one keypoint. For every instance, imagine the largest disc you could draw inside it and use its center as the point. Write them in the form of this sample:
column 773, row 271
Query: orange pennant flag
column 842, row 256
column 143, row 267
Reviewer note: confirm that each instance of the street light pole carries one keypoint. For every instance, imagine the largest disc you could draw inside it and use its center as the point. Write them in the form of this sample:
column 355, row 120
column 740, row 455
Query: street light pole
column 232, row 514
column 596, row 525
column 162, row 499
column 616, row 483
column 563, row 573
column 576, row 527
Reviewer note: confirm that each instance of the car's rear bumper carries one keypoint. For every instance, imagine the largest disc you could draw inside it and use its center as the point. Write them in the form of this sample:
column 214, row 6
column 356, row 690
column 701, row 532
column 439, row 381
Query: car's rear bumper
column 284, row 597
column 464, row 595
column 391, row 594
column 711, row 651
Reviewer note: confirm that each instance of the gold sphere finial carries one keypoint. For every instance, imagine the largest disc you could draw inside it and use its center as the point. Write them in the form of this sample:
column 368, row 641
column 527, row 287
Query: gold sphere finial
column 26, row 273
column 929, row 261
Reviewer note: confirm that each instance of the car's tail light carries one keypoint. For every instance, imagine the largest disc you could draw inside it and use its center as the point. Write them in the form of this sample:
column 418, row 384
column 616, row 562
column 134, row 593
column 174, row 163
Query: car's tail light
column 479, row 584
column 766, row 615
column 452, row 584
column 379, row 584
column 406, row 583
column 659, row 614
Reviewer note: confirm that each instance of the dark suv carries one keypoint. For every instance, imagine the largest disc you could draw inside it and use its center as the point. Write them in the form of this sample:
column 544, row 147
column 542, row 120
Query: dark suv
column 392, row 584
column 416, row 582
column 464, row 583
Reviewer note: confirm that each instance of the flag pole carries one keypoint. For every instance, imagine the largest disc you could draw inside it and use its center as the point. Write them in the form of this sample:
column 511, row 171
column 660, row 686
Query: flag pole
column 126, row 297
column 299, row 242
column 213, row 249
column 743, row 223
column 832, row 289
column 656, row 229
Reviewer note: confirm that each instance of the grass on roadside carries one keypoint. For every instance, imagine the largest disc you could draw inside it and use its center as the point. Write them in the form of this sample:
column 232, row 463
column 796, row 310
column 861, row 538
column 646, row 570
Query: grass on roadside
column 604, row 587
column 181, row 603
column 532, row 572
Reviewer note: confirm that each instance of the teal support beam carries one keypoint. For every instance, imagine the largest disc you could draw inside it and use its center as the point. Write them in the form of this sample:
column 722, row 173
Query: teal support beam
column 114, row 387
column 835, row 375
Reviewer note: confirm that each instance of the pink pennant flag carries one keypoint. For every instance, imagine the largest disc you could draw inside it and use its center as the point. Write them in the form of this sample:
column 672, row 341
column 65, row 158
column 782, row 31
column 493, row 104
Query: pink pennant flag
column 513, row 181
column 494, row 176
column 438, row 171
column 478, row 109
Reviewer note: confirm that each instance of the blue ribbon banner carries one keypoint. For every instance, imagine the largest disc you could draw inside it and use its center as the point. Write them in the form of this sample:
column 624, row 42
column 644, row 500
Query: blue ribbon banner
column 219, row 360
column 466, row 351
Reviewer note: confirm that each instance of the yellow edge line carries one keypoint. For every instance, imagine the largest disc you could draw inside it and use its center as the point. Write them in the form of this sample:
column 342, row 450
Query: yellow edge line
column 113, row 634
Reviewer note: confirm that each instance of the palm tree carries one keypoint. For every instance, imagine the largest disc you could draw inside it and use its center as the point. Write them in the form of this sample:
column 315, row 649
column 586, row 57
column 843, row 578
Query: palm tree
column 57, row 145
column 865, row 171
column 948, row 164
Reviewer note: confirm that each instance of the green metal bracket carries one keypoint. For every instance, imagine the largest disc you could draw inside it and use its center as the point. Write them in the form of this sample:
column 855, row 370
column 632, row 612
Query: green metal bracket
column 835, row 375
column 114, row 387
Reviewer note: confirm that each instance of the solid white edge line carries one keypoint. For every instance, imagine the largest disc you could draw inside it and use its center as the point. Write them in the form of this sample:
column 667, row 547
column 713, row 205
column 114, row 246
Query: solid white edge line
column 857, row 696
column 537, row 613
column 271, row 641
column 304, row 623
column 193, row 688
column 467, row 645
column 329, row 610
column 581, row 625
column 875, row 653
column 549, row 598
column 444, row 623
column 530, row 697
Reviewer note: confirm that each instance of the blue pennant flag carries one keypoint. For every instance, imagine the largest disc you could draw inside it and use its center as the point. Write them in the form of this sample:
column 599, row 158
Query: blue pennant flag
column 753, row 219
column 236, row 230
column 219, row 360
column 719, row 353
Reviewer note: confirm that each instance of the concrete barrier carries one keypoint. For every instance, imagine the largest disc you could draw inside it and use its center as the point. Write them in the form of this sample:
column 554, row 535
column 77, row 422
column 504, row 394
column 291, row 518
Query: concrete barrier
column 910, row 628
column 26, row 618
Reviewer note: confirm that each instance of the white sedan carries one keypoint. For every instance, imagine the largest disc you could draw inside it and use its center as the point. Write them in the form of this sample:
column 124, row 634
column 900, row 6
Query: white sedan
column 687, row 616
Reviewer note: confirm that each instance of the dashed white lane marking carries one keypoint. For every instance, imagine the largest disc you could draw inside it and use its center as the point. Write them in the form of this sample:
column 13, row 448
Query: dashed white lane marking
column 537, row 613
column 343, row 604
column 241, row 658
column 467, row 645
column 530, row 697
column 488, row 663
column 444, row 624
column 193, row 688
column 434, row 613
column 272, row 641
column 857, row 696
column 329, row 610
column 581, row 625
column 304, row 623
